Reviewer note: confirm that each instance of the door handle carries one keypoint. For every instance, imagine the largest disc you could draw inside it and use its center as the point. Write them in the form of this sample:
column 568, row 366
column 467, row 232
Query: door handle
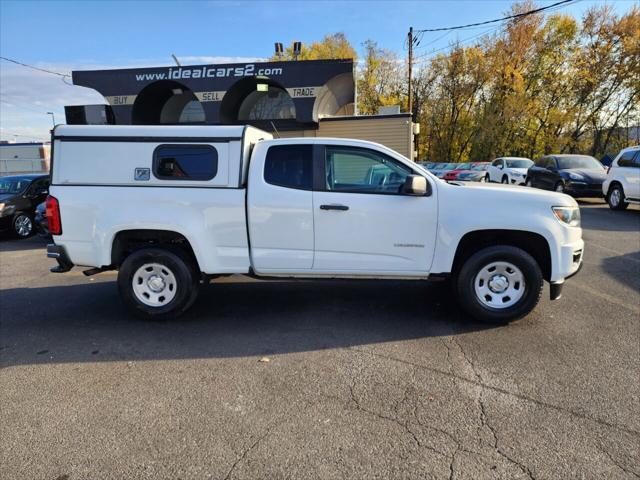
column 334, row 207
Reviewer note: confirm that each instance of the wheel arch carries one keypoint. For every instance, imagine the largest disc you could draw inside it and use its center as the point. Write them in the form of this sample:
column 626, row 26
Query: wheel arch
column 127, row 241
column 531, row 242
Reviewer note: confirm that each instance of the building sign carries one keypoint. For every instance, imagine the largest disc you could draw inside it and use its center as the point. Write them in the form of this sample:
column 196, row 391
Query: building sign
column 287, row 94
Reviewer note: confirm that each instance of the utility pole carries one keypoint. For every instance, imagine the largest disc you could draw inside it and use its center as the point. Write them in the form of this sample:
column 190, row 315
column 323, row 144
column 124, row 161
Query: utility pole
column 410, row 93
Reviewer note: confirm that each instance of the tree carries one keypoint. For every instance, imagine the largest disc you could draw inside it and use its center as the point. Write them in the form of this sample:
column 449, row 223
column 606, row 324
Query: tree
column 334, row 46
column 380, row 81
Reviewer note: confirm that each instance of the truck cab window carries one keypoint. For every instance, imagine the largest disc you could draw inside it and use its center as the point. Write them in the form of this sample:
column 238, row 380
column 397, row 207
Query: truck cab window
column 359, row 170
column 290, row 166
column 185, row 162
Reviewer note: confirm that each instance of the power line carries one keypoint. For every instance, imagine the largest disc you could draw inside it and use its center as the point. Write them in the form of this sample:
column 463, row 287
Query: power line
column 63, row 75
column 509, row 17
column 426, row 56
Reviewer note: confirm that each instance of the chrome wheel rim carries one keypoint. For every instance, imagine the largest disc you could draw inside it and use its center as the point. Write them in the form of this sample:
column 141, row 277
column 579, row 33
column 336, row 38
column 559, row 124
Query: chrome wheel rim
column 154, row 284
column 23, row 226
column 560, row 188
column 529, row 184
column 499, row 285
column 614, row 198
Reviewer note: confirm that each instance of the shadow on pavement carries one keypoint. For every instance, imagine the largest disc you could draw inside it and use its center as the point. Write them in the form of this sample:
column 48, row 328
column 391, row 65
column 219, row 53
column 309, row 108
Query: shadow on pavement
column 84, row 323
column 11, row 244
column 624, row 269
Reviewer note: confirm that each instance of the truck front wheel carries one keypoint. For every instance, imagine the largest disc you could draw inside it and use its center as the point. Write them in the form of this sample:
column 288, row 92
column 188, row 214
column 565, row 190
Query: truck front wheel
column 499, row 284
column 157, row 284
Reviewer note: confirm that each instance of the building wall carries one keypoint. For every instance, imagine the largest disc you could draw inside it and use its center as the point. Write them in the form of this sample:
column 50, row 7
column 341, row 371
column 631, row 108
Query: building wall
column 24, row 158
column 393, row 131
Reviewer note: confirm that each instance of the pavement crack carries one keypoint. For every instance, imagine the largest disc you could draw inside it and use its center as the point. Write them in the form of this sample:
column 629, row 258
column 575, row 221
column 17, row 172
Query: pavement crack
column 502, row 391
column 403, row 425
column 245, row 453
column 484, row 419
column 617, row 464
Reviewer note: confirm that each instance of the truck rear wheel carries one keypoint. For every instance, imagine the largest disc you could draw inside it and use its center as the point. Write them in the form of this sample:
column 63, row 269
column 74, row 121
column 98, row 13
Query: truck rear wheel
column 499, row 284
column 157, row 284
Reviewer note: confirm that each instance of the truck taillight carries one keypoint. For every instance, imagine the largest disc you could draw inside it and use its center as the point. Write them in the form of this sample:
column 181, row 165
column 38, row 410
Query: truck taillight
column 53, row 216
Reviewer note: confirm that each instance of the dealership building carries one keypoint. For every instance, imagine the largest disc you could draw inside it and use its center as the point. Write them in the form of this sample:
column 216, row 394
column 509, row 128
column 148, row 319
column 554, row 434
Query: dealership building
column 293, row 98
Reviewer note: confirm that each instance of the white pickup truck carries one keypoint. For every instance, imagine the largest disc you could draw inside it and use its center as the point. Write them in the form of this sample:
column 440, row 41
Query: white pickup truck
column 171, row 207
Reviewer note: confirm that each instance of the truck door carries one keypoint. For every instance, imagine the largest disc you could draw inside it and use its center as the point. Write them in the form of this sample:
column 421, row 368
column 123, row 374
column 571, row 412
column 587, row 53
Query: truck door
column 363, row 224
column 279, row 208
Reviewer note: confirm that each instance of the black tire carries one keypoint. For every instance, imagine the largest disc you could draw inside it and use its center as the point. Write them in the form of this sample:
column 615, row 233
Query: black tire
column 616, row 194
column 474, row 306
column 487, row 178
column 558, row 187
column 22, row 225
column 505, row 180
column 528, row 183
column 178, row 264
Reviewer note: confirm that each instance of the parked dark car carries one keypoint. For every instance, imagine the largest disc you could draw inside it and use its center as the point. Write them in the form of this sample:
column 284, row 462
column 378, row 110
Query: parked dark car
column 41, row 222
column 19, row 196
column 576, row 175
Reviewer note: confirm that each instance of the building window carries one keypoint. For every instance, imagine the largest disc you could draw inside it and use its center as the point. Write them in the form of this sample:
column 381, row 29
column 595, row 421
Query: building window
column 185, row 162
column 290, row 166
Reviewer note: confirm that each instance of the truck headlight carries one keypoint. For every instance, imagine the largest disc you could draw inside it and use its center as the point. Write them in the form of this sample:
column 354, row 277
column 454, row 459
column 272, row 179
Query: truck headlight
column 567, row 215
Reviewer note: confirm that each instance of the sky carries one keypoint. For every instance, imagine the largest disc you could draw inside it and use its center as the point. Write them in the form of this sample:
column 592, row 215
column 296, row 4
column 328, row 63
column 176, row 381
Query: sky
column 74, row 35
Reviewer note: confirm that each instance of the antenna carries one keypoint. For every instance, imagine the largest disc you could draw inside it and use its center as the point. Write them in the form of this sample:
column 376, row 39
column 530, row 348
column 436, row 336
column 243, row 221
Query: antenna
column 275, row 129
column 175, row 59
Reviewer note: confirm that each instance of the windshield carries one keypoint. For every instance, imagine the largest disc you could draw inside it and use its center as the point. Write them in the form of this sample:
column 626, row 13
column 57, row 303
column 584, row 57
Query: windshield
column 449, row 166
column 463, row 166
column 579, row 161
column 480, row 167
column 519, row 163
column 14, row 184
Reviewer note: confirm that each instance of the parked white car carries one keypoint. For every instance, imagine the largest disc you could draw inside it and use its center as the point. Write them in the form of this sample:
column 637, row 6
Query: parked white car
column 511, row 170
column 170, row 207
column 622, row 185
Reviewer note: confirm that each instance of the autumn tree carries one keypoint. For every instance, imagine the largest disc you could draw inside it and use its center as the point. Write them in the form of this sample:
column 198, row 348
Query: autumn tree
column 334, row 46
column 380, row 80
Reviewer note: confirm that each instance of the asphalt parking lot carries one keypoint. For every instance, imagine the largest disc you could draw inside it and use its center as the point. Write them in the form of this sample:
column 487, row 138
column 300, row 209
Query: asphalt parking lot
column 365, row 379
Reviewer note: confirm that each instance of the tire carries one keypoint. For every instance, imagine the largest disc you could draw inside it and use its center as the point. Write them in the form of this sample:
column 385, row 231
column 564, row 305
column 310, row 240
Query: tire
column 505, row 180
column 22, row 225
column 158, row 284
column 528, row 183
column 487, row 178
column 559, row 187
column 479, row 288
column 615, row 198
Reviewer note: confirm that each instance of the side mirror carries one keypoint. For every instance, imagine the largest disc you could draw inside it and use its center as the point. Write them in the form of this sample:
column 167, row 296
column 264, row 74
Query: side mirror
column 415, row 185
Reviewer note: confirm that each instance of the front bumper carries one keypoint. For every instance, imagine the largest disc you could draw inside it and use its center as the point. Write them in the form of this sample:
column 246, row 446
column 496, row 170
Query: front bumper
column 60, row 254
column 571, row 263
column 582, row 189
